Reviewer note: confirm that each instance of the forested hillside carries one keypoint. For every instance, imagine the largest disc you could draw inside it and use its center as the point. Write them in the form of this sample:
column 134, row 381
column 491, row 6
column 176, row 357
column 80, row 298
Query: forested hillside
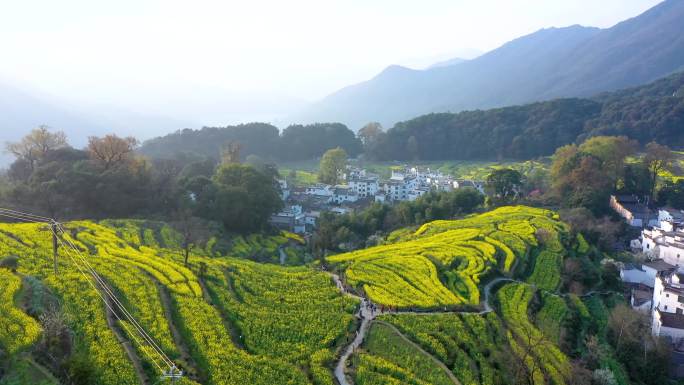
column 647, row 113
column 296, row 142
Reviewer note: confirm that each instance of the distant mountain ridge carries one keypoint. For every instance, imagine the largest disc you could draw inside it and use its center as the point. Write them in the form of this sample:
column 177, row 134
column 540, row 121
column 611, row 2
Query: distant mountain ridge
column 573, row 61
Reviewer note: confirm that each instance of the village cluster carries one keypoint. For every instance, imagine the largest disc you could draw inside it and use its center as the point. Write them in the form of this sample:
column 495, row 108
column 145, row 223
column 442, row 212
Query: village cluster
column 656, row 285
column 360, row 188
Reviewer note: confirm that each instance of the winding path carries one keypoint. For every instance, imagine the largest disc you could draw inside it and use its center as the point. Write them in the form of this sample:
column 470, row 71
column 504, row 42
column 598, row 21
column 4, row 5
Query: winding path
column 368, row 316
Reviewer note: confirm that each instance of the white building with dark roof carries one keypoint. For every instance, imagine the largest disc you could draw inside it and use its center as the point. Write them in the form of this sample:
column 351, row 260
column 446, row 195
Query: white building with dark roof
column 364, row 186
column 665, row 242
column 668, row 306
column 635, row 212
column 669, row 325
column 342, row 194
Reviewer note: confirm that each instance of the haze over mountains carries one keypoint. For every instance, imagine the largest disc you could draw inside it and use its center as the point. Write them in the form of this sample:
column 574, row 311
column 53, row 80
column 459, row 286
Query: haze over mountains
column 550, row 63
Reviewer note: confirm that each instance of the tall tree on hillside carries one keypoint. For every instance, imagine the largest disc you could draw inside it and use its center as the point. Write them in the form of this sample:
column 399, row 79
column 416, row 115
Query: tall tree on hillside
column 370, row 133
column 244, row 198
column 34, row 146
column 578, row 180
column 612, row 152
column 333, row 163
column 658, row 158
column 111, row 151
column 504, row 184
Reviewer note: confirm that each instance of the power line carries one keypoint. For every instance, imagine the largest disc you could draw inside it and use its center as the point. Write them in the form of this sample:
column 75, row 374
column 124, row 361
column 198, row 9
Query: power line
column 60, row 234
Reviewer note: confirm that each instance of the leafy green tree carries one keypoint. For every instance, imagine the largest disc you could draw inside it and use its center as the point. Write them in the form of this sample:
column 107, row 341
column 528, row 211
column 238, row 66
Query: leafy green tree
column 245, row 198
column 579, row 180
column 333, row 163
column 611, row 151
column 504, row 184
column 658, row 158
column 635, row 180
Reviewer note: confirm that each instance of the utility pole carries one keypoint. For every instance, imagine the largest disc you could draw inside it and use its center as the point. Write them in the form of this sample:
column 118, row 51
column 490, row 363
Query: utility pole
column 55, row 246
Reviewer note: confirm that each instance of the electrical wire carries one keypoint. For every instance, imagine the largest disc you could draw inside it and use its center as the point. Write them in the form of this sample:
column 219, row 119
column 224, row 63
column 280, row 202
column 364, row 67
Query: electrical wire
column 84, row 266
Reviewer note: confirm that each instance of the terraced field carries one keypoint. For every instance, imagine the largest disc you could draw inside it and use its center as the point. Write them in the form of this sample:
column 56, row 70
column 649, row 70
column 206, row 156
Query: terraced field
column 501, row 347
column 241, row 323
column 442, row 262
column 228, row 320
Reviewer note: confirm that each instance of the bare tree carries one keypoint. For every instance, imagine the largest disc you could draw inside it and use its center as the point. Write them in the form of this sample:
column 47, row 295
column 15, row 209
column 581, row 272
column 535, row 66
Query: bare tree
column 525, row 363
column 111, row 150
column 34, row 146
column 194, row 231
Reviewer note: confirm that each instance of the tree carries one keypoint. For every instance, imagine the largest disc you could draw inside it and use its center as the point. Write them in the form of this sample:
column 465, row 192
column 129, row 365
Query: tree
column 333, row 164
column 193, row 231
column 34, row 146
column 658, row 158
column 504, row 183
column 231, row 152
column 590, row 186
column 636, row 180
column 612, row 152
column 370, row 133
column 577, row 179
column 11, row 263
column 111, row 151
column 244, row 198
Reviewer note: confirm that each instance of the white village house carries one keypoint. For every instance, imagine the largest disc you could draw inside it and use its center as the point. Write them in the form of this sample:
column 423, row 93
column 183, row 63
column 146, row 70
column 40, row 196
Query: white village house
column 668, row 306
column 663, row 276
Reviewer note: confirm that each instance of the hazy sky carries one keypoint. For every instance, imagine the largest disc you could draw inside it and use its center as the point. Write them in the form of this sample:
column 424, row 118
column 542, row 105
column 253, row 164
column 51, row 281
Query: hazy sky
column 157, row 54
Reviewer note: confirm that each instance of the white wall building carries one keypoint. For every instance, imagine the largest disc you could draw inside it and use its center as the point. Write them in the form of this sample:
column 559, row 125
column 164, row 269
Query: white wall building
column 417, row 193
column 637, row 276
column 343, row 194
column 320, row 189
column 670, row 215
column 364, row 187
column 666, row 243
column 668, row 325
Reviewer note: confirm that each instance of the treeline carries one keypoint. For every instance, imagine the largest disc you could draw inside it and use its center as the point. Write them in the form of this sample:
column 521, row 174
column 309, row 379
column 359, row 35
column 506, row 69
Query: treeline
column 654, row 112
column 297, row 142
column 108, row 179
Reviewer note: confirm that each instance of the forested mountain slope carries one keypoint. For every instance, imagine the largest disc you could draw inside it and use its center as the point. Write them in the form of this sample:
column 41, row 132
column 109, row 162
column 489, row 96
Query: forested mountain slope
column 651, row 112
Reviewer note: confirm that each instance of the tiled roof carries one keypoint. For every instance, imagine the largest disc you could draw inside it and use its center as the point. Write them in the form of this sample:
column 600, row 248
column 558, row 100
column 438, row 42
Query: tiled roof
column 659, row 265
column 672, row 320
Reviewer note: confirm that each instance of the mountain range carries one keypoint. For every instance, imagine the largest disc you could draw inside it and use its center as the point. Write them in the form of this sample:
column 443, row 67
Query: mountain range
column 574, row 61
